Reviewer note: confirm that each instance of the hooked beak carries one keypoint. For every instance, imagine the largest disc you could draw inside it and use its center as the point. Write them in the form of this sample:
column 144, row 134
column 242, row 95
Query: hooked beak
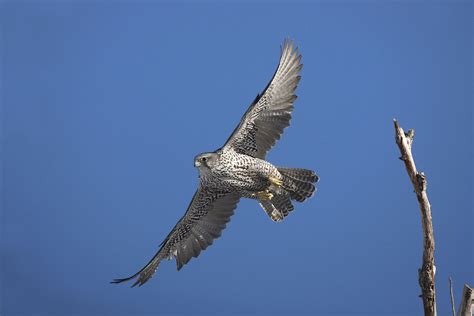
column 197, row 163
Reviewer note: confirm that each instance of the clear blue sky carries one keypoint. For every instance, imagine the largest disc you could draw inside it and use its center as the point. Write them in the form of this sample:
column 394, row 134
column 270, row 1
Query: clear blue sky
column 104, row 107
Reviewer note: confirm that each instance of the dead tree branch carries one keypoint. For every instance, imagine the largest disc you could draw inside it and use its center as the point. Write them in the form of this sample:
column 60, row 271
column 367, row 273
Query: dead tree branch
column 452, row 296
column 467, row 301
column 426, row 275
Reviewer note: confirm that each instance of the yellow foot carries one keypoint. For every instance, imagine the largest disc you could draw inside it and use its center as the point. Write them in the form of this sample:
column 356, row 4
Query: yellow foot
column 264, row 195
column 275, row 181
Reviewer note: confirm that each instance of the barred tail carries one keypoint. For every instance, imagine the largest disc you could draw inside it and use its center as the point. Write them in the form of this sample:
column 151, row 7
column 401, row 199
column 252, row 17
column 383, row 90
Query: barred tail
column 299, row 182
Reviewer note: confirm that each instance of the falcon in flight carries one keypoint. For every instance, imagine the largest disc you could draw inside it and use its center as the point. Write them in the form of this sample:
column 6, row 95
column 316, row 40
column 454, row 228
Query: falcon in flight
column 239, row 170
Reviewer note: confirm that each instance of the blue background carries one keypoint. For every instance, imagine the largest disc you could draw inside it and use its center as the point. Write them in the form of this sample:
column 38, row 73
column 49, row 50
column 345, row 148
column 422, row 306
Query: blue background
column 105, row 105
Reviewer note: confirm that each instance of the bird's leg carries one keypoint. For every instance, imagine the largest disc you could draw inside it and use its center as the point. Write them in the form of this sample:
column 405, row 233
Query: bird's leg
column 275, row 181
column 264, row 195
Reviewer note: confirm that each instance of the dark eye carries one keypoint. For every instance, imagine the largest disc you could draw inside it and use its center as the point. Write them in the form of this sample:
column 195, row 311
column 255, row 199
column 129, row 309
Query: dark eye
column 204, row 159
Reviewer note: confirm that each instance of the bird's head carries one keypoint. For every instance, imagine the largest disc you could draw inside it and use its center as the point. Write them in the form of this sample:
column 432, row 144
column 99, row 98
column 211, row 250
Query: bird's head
column 205, row 161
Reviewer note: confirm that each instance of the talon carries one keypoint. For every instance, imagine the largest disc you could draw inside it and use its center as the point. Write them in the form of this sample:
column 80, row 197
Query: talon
column 275, row 181
column 264, row 195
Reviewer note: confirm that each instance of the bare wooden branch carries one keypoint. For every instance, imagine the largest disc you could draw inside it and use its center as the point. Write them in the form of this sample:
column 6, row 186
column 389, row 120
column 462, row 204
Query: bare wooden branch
column 426, row 275
column 452, row 296
column 467, row 301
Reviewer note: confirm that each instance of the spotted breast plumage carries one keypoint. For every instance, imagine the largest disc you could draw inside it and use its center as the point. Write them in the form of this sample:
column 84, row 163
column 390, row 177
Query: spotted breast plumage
column 239, row 170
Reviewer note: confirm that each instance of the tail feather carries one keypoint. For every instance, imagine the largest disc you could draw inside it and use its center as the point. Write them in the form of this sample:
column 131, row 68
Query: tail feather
column 299, row 182
column 300, row 174
column 283, row 203
column 278, row 207
column 298, row 185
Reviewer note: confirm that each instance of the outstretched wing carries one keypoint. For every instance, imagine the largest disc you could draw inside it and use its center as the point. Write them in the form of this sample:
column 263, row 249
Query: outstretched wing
column 270, row 112
column 206, row 217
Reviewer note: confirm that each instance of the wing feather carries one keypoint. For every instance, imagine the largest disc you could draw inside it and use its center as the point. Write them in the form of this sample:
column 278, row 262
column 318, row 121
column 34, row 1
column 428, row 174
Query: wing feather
column 270, row 113
column 206, row 217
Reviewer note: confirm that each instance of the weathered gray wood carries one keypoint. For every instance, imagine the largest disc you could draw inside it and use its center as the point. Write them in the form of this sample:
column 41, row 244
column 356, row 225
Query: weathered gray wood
column 467, row 301
column 452, row 296
column 426, row 275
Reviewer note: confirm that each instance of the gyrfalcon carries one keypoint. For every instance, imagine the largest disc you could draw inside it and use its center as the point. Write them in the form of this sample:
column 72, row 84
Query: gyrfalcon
column 239, row 169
